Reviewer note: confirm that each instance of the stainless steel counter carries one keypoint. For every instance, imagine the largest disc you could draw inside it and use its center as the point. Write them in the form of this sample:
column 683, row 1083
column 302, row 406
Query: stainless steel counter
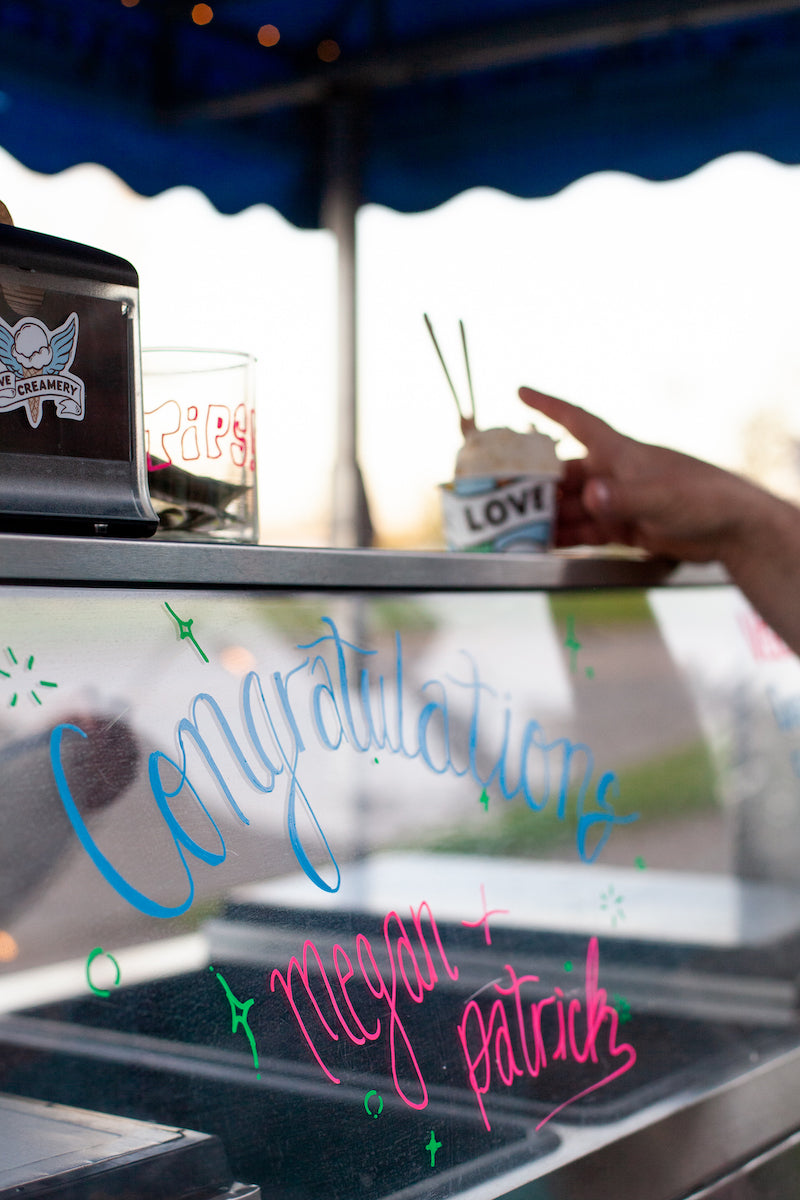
column 145, row 563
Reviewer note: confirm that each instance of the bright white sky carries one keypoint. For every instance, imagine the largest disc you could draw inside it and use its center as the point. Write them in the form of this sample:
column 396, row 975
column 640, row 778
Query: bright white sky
column 669, row 309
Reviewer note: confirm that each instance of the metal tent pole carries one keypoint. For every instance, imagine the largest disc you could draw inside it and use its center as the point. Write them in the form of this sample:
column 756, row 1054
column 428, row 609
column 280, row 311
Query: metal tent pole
column 350, row 519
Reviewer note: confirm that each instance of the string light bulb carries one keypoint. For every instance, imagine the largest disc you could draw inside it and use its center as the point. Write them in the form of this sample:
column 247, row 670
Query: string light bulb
column 202, row 14
column 269, row 35
column 328, row 50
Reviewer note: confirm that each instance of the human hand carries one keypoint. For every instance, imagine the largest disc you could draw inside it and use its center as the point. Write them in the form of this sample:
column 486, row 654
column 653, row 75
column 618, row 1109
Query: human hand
column 636, row 494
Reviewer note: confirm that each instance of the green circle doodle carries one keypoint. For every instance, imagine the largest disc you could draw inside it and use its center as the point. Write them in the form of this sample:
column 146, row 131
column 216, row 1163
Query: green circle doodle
column 93, row 955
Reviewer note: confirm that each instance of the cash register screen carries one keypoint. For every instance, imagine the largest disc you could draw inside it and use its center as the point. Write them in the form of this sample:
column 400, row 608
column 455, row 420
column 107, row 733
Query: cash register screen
column 64, row 380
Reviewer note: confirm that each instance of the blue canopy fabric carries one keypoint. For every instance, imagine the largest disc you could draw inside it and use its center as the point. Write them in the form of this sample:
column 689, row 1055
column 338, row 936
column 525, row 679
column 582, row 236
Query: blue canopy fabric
column 520, row 95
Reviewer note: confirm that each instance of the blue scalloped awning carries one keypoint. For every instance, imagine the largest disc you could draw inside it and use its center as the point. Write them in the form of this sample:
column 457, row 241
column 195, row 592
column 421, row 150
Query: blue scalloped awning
column 520, row 95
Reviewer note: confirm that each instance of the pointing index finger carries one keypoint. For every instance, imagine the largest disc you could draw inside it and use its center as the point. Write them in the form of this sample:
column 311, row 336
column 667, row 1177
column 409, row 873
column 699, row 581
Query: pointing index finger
column 594, row 433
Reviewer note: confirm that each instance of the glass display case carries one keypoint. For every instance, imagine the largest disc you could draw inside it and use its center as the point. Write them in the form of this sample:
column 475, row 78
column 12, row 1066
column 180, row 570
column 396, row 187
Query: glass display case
column 402, row 875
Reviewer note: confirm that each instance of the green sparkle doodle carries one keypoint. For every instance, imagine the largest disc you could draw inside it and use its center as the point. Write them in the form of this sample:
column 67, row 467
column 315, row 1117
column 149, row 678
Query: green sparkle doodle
column 612, row 902
column 15, row 663
column 572, row 644
column 432, row 1147
column 239, row 1013
column 185, row 630
column 622, row 1007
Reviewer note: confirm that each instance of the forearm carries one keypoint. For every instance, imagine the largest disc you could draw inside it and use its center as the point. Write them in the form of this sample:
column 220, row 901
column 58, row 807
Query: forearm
column 670, row 504
column 762, row 557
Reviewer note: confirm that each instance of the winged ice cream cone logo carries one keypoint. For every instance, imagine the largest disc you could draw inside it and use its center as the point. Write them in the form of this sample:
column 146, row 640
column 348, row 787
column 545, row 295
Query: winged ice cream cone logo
column 36, row 364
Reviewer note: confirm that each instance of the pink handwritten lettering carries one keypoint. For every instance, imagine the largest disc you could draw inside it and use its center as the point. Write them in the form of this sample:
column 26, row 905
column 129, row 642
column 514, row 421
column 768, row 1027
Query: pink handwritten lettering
column 765, row 645
column 515, row 1046
column 406, row 968
column 243, row 434
column 177, row 434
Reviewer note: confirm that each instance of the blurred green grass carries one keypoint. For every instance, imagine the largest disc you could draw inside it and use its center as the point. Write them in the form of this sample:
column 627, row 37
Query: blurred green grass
column 620, row 606
column 677, row 784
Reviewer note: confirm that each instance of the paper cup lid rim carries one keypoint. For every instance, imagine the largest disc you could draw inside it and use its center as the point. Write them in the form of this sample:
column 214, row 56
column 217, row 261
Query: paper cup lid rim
column 496, row 479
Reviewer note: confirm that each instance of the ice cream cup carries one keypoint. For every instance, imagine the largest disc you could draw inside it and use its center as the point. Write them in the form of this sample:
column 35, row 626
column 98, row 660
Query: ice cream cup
column 500, row 515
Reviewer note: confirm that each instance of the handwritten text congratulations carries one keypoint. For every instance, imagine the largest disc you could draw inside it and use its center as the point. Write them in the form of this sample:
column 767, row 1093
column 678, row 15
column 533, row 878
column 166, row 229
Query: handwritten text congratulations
column 348, row 706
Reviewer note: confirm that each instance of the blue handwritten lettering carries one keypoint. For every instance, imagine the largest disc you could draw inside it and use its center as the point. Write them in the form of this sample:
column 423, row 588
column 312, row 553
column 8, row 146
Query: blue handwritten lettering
column 326, row 689
column 348, row 706
column 290, row 761
column 786, row 710
column 179, row 836
column 344, row 683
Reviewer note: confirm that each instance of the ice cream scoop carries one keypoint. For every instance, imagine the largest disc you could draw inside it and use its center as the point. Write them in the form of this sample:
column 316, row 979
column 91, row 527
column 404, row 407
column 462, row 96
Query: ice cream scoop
column 505, row 453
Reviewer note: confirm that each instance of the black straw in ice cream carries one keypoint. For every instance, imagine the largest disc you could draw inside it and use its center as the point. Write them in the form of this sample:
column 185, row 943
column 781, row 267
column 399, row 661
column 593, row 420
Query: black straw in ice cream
column 467, row 423
column 444, row 364
column 469, row 373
